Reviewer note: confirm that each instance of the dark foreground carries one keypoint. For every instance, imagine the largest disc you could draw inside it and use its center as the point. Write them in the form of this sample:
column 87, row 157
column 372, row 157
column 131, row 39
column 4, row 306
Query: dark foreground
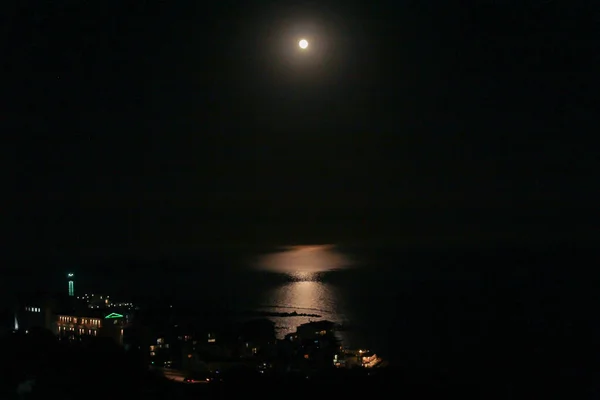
column 101, row 369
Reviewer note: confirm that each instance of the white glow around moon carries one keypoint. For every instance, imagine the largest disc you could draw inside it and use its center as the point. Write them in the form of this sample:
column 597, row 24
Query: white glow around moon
column 303, row 44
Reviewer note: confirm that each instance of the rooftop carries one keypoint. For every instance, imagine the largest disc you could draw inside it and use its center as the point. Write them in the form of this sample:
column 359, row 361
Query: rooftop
column 321, row 325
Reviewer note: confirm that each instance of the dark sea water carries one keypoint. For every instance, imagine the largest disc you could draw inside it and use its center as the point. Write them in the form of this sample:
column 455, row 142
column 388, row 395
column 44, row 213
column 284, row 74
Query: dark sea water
column 414, row 307
column 411, row 307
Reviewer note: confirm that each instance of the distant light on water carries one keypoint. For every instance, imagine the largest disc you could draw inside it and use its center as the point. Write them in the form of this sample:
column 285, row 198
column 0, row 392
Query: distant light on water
column 304, row 263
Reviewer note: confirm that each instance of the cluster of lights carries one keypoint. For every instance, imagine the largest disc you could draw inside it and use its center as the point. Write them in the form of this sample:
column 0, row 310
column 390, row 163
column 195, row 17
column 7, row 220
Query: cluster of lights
column 89, row 297
column 120, row 305
column 92, row 298
column 33, row 309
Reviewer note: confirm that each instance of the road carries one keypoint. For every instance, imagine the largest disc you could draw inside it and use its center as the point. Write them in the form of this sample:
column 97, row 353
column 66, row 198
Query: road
column 173, row 374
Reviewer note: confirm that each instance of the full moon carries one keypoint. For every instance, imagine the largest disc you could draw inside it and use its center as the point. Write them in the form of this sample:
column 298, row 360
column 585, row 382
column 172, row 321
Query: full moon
column 303, row 44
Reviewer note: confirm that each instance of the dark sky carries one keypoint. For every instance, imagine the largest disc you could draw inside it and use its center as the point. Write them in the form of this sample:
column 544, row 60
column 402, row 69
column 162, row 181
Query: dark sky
column 146, row 127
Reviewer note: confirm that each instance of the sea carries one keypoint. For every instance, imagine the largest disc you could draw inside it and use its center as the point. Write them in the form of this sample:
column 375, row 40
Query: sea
column 411, row 307
column 417, row 306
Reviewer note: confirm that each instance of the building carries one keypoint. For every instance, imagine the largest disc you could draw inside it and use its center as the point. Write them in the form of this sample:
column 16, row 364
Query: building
column 34, row 311
column 113, row 326
column 36, row 314
column 258, row 338
column 77, row 327
column 71, row 284
column 358, row 358
column 312, row 330
column 368, row 359
column 72, row 327
column 311, row 348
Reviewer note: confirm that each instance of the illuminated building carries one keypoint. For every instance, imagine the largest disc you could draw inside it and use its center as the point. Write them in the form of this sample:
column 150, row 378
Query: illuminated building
column 36, row 315
column 160, row 353
column 312, row 330
column 113, row 327
column 71, row 278
column 368, row 359
column 74, row 327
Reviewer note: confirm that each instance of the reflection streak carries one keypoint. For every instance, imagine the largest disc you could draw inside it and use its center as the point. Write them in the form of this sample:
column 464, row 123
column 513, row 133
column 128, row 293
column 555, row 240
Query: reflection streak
column 307, row 294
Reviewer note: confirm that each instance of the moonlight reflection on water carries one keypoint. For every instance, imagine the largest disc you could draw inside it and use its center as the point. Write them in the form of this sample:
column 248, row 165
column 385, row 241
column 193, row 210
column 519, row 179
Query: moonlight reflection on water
column 306, row 293
column 304, row 263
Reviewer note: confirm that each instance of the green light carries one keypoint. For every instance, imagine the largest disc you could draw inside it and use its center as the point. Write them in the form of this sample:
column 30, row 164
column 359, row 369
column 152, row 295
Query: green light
column 70, row 275
column 113, row 315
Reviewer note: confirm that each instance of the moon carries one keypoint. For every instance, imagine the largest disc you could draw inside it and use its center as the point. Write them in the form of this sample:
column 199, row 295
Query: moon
column 303, row 43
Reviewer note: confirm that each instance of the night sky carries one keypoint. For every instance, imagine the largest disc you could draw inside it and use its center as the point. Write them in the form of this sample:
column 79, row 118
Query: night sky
column 151, row 127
